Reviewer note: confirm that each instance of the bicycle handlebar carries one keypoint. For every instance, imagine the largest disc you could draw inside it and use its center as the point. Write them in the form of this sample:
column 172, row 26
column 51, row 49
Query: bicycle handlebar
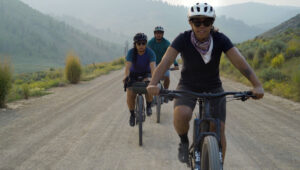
column 179, row 93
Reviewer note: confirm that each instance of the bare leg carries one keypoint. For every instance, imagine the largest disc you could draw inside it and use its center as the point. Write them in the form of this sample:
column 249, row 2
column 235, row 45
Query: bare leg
column 149, row 98
column 130, row 99
column 182, row 117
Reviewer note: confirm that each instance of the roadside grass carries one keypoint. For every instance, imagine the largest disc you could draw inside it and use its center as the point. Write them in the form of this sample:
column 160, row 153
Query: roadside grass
column 36, row 84
column 5, row 79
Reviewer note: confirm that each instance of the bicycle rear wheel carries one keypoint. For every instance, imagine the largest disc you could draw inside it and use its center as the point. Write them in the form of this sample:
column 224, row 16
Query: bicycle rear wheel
column 140, row 110
column 210, row 154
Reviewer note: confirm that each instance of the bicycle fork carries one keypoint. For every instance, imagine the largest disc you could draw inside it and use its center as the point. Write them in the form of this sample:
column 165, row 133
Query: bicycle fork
column 196, row 153
column 200, row 131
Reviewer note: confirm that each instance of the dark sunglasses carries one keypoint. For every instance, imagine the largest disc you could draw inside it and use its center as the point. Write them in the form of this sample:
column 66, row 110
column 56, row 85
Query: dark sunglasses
column 141, row 43
column 206, row 22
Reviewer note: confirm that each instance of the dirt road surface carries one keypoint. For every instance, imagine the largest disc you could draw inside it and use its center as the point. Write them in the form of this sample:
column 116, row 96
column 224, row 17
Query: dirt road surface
column 85, row 126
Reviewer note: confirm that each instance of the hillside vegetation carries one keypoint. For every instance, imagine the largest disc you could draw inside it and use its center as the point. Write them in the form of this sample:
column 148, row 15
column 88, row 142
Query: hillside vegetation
column 275, row 58
column 36, row 84
column 35, row 41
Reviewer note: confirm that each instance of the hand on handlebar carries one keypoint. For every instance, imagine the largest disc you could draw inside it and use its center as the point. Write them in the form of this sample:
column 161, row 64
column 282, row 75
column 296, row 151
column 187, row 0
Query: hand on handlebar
column 153, row 90
column 125, row 80
column 258, row 92
column 147, row 79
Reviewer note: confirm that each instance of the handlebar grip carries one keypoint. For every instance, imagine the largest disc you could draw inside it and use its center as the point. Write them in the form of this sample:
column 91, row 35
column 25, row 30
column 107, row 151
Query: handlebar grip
column 249, row 93
column 244, row 95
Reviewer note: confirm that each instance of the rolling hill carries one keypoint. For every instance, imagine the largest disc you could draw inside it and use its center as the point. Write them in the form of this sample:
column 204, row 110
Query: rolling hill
column 131, row 16
column 291, row 24
column 258, row 14
column 35, row 41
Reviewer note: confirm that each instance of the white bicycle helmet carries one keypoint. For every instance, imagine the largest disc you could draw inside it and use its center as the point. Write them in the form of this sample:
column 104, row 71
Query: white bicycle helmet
column 159, row 28
column 202, row 9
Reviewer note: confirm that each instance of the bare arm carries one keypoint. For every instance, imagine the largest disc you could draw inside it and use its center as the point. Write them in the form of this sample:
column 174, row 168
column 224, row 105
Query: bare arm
column 160, row 70
column 241, row 64
column 127, row 69
column 164, row 65
column 152, row 67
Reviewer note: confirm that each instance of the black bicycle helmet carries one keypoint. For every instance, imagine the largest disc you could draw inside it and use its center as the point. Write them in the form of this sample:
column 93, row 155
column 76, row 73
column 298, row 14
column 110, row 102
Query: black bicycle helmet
column 140, row 37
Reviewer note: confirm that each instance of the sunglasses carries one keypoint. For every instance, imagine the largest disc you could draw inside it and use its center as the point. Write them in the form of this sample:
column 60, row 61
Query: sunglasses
column 206, row 22
column 141, row 43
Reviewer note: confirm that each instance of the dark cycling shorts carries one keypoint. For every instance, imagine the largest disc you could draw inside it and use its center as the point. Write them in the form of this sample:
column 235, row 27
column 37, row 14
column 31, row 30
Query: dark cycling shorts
column 217, row 106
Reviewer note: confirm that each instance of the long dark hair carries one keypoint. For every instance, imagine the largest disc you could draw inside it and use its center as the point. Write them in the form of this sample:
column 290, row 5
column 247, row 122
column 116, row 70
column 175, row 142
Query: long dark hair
column 135, row 53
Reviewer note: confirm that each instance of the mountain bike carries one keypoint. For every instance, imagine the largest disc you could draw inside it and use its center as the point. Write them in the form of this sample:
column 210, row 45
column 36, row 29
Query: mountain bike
column 206, row 151
column 139, row 88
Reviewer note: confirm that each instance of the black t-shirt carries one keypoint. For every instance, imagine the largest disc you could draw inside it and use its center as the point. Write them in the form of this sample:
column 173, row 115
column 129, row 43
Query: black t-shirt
column 195, row 74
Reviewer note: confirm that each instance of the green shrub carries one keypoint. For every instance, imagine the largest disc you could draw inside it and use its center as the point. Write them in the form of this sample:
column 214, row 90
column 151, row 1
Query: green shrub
column 272, row 73
column 255, row 62
column 120, row 61
column 38, row 92
column 283, row 89
column 73, row 68
column 260, row 53
column 25, row 89
column 269, row 85
column 278, row 60
column 268, row 57
column 275, row 47
column 280, row 89
column 293, row 49
column 5, row 80
column 296, row 81
column 249, row 54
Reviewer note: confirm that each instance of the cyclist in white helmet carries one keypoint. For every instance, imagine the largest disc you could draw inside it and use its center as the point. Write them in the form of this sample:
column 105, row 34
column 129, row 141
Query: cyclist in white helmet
column 201, row 49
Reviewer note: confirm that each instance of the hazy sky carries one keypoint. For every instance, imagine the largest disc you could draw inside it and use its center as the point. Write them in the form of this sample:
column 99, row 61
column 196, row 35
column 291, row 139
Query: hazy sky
column 229, row 2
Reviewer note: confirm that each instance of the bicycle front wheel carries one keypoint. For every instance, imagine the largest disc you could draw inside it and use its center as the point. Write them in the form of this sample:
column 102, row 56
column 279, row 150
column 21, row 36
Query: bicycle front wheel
column 210, row 154
column 140, row 110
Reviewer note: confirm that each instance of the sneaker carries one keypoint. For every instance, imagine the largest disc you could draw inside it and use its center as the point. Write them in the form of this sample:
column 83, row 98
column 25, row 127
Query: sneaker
column 149, row 111
column 183, row 152
column 132, row 120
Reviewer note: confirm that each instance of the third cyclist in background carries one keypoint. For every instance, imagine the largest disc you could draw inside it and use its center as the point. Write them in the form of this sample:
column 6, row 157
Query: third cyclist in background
column 160, row 45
